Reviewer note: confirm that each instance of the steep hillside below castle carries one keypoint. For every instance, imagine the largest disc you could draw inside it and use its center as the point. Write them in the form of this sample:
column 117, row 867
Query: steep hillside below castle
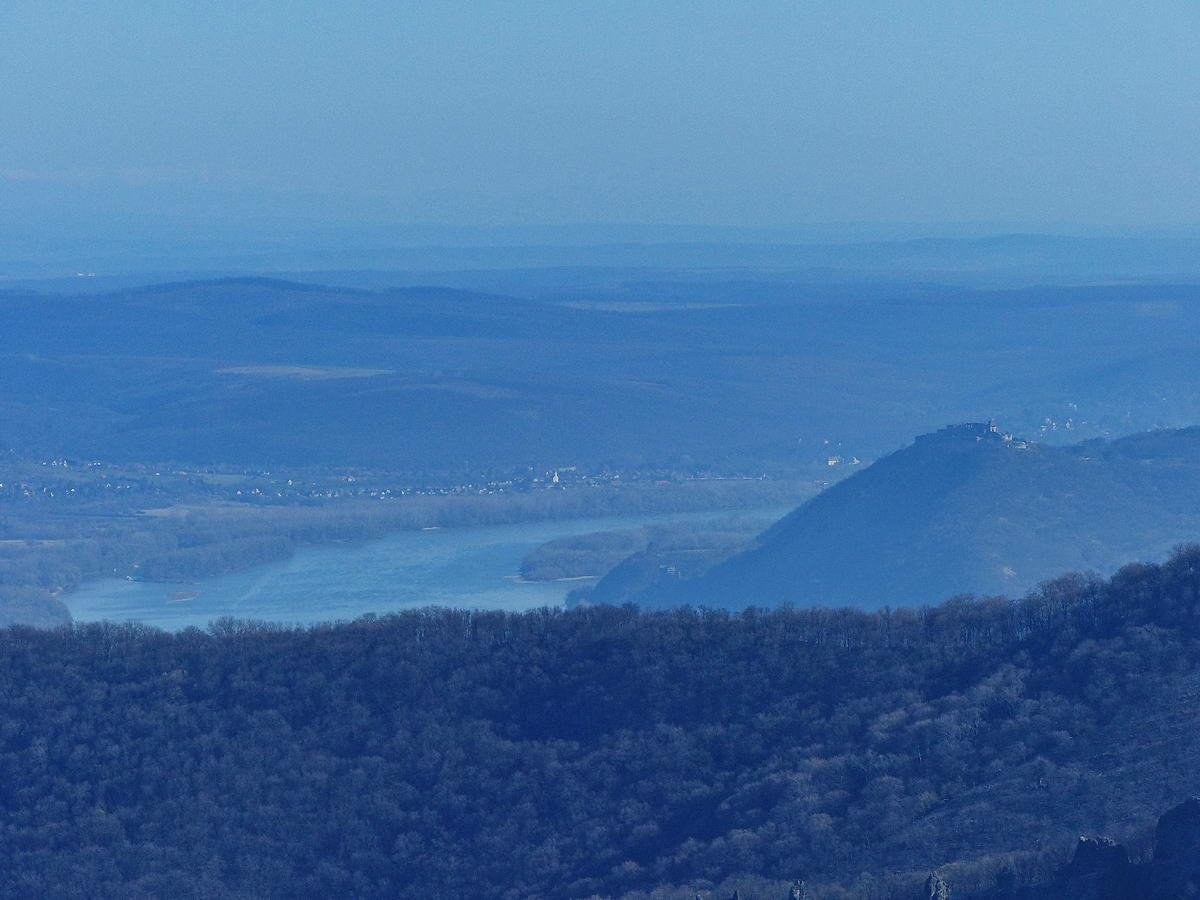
column 966, row 509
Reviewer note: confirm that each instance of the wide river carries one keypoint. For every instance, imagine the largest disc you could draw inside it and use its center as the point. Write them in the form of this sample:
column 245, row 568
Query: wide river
column 472, row 568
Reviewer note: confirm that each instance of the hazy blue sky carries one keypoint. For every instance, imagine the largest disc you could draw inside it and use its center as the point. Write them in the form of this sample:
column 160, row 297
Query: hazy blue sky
column 746, row 112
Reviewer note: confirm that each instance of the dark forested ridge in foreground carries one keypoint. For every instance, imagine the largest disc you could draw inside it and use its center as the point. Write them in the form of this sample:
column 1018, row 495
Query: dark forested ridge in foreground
column 601, row 752
column 968, row 509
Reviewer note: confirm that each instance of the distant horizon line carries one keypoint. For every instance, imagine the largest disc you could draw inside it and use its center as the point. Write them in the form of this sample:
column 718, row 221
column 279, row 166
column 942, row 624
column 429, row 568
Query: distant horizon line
column 856, row 230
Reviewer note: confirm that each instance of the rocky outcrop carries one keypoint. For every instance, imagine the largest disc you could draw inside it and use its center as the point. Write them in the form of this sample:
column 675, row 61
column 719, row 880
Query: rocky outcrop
column 1101, row 870
column 936, row 888
column 1177, row 837
column 798, row 891
column 1176, row 866
column 1096, row 855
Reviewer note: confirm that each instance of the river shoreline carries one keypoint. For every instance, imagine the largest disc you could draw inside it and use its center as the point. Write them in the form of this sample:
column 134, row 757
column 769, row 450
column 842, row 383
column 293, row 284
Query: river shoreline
column 466, row 567
column 352, row 524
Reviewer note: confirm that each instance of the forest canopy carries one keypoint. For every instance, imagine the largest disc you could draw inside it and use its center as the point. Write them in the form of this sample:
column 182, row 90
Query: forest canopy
column 601, row 752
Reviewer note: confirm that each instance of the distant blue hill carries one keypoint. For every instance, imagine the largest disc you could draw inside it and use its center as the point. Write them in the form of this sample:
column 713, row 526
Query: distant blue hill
column 965, row 509
column 691, row 371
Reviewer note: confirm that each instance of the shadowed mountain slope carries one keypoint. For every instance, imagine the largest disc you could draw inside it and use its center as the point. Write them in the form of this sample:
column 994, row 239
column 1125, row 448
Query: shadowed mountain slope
column 964, row 510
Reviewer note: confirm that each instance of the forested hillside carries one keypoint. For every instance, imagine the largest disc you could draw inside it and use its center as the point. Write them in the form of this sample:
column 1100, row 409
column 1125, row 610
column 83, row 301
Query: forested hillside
column 963, row 510
column 602, row 752
column 747, row 370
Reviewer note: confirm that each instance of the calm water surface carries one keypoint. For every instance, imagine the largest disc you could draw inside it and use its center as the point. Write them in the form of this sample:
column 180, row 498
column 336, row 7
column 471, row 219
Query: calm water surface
column 461, row 567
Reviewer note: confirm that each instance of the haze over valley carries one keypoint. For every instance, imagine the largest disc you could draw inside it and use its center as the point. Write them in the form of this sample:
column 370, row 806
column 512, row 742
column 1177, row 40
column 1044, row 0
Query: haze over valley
column 675, row 477
column 625, row 451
